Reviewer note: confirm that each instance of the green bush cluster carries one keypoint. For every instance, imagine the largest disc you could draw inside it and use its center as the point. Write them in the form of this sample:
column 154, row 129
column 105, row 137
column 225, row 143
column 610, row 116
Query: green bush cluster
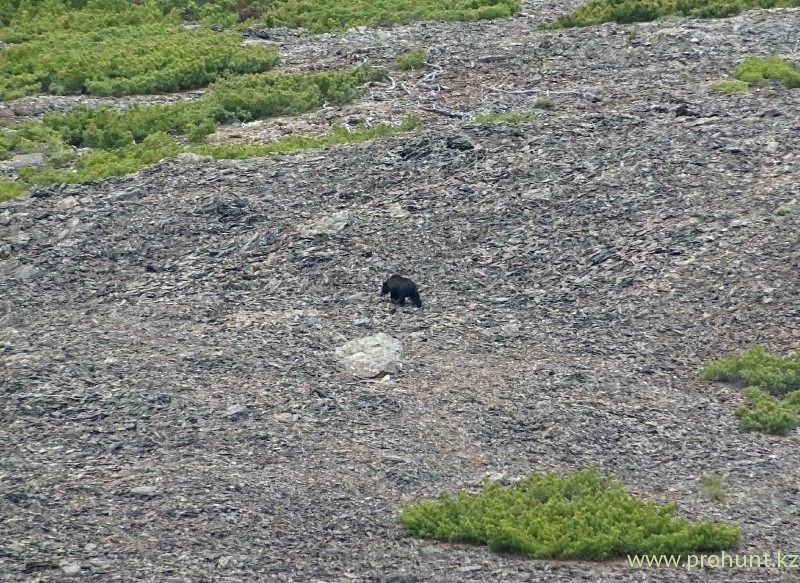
column 29, row 137
column 767, row 377
column 729, row 86
column 758, row 69
column 578, row 516
column 11, row 188
column 755, row 69
column 413, row 59
column 37, row 19
column 766, row 413
column 628, row 11
column 755, row 366
column 149, row 58
column 712, row 487
column 338, row 135
column 102, row 163
column 330, row 15
column 223, row 12
column 128, row 140
column 240, row 98
column 314, row 15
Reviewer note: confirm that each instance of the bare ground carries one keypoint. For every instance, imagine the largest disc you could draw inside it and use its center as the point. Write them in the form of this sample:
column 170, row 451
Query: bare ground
column 172, row 409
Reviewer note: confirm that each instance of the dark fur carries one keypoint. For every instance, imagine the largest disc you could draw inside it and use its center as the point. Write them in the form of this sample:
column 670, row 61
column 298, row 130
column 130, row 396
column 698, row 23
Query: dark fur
column 401, row 288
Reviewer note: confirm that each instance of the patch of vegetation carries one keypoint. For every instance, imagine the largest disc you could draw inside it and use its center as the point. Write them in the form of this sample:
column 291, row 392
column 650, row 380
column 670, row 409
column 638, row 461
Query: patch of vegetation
column 712, row 487
column 755, row 69
column 509, row 117
column 767, row 377
column 544, row 104
column 629, row 11
column 413, row 59
column 221, row 12
column 578, row 516
column 331, row 15
column 125, row 60
column 729, row 86
column 128, row 140
column 11, row 188
column 767, row 414
column 755, row 366
column 31, row 137
column 23, row 20
column 759, row 69
column 102, row 163
column 315, row 15
column 338, row 135
column 241, row 98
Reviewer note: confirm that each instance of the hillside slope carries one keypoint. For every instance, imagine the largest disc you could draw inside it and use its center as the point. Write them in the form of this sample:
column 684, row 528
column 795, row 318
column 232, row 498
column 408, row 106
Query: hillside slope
column 173, row 329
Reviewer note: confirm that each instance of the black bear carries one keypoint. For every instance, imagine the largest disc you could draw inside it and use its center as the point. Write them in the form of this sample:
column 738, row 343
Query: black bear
column 401, row 288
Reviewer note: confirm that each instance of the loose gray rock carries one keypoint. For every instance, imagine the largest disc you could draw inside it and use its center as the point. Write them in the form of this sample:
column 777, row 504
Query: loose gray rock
column 235, row 412
column 66, row 203
column 326, row 225
column 36, row 160
column 72, row 569
column 398, row 212
column 19, row 241
column 145, row 491
column 371, row 356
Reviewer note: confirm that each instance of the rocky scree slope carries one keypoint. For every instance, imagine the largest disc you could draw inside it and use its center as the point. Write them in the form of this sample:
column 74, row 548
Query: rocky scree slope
column 172, row 406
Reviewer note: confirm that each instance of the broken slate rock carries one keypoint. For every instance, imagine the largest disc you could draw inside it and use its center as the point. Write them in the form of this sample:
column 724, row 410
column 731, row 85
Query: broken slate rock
column 397, row 211
column 72, row 569
column 421, row 149
column 145, row 491
column 235, row 412
column 371, row 356
column 36, row 160
column 327, row 225
column 459, row 142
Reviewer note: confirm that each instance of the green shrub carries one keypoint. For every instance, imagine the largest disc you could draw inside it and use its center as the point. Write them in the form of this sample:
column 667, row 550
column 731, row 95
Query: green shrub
column 150, row 58
column 101, row 163
column 224, row 12
column 315, row 15
column 239, row 98
column 29, row 137
column 628, row 11
column 331, row 15
column 755, row 366
column 755, row 69
column 729, row 86
column 768, row 414
column 337, row 135
column 509, row 117
column 11, row 188
column 712, row 487
column 34, row 19
column 128, row 140
column 413, row 59
column 579, row 516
